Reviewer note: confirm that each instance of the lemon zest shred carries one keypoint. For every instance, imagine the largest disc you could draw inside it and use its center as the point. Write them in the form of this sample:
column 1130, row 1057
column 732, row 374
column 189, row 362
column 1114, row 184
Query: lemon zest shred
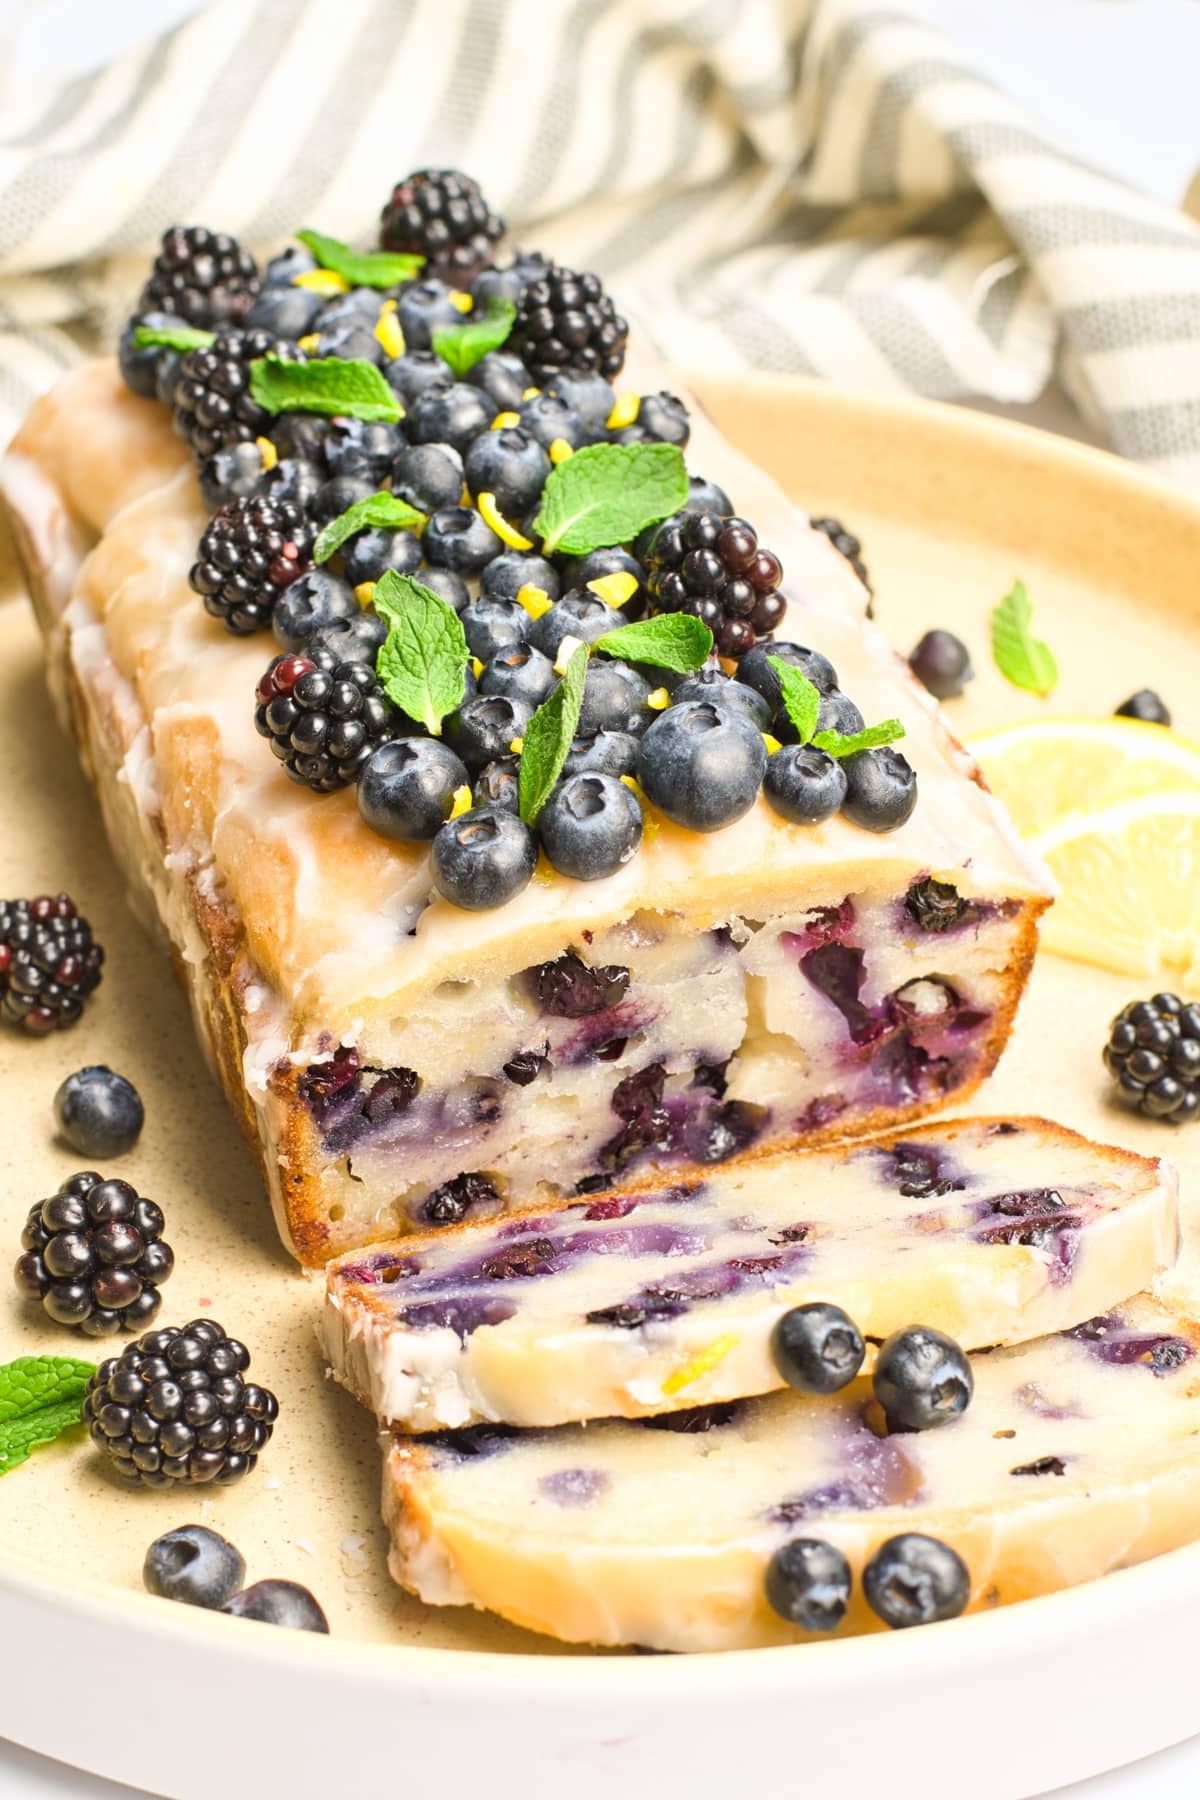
column 625, row 412
column 364, row 593
column 534, row 599
column 309, row 341
column 476, row 667
column 773, row 744
column 659, row 699
column 615, row 589
column 491, row 515
column 268, row 452
column 503, row 420
column 322, row 281
column 516, row 745
column 462, row 802
column 559, row 451
column 463, row 302
column 566, row 651
column 389, row 333
column 530, row 392
column 651, row 823
column 700, row 1364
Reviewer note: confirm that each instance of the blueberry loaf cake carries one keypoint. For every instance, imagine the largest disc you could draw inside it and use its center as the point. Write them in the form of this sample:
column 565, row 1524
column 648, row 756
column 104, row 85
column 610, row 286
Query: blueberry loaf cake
column 990, row 1230
column 482, row 901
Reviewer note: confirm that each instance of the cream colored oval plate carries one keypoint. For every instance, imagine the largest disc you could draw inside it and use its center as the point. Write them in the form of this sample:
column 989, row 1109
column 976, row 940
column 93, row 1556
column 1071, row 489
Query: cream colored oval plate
column 950, row 507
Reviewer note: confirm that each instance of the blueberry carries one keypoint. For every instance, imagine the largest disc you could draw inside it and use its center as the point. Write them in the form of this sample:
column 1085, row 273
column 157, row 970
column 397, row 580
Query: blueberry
column 484, row 728
column 942, row 663
column 803, row 784
column 914, row 1580
column 548, row 419
column 235, row 473
column 139, row 368
column 423, row 308
column 194, row 1565
column 712, row 683
column 755, row 670
column 361, row 303
column 428, row 476
column 308, row 603
column 509, row 464
column 512, row 570
column 356, row 639
column 338, row 495
column 362, row 447
column 607, row 753
column 808, row 1583
column 352, row 340
column 286, row 312
column 615, row 698
column 407, row 787
column 706, row 496
column 837, row 712
column 881, row 789
column 817, row 1348
column 283, row 269
column 1147, row 706
column 452, row 589
column 503, row 377
column 922, row 1378
column 483, row 858
column 166, row 375
column 293, row 478
column 302, row 435
column 507, row 280
column 369, row 554
column 701, row 765
column 588, row 395
column 414, row 372
column 579, row 570
column 457, row 538
column 279, row 1603
column 452, row 415
column 498, row 785
column 522, row 673
column 492, row 626
column 590, row 826
column 664, row 419
column 100, row 1114
column 579, row 615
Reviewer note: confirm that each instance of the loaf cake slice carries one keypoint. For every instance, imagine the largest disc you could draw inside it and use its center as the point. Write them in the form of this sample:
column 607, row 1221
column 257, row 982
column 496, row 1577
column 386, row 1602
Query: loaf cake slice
column 760, row 987
column 991, row 1230
column 1076, row 1456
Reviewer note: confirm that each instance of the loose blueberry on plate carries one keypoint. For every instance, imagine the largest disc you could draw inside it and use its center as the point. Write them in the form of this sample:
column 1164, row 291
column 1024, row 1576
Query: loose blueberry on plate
column 195, row 1566
column 578, row 615
column 510, row 465
column 522, row 673
column 942, row 663
column 881, row 789
column 915, row 1580
column 808, row 1583
column 922, row 1379
column 406, row 788
column 817, row 1348
column 453, row 415
column 590, row 826
column 93, row 1255
column 283, row 1603
column 457, row 538
column 484, row 728
column 98, row 1112
column 313, row 600
column 483, row 858
column 1147, row 706
column 606, row 753
column 804, row 785
column 493, row 626
column 512, row 570
column 702, row 766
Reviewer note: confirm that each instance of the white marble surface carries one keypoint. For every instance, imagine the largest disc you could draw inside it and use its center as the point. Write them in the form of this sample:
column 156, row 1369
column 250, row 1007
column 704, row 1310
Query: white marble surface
column 1117, row 77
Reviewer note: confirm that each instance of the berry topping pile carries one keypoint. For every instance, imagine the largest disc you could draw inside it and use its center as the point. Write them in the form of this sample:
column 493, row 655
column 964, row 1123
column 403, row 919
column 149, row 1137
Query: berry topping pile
column 93, row 1255
column 49, row 963
column 1153, row 1054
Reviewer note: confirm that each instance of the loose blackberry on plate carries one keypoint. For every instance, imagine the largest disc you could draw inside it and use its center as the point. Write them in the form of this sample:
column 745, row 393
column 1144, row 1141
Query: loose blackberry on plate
column 715, row 569
column 1153, row 1054
column 441, row 214
column 203, row 277
column 567, row 321
column 251, row 550
column 211, row 398
column 93, row 1255
column 323, row 718
column 49, row 963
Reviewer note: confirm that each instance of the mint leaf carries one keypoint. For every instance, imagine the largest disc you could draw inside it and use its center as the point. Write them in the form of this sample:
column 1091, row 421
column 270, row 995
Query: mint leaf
column 1020, row 657
column 40, row 1397
column 172, row 337
column 671, row 641
column 462, row 346
column 374, row 268
column 801, row 699
column 839, row 745
column 385, row 511
column 606, row 493
column 423, row 660
column 548, row 736
column 352, row 389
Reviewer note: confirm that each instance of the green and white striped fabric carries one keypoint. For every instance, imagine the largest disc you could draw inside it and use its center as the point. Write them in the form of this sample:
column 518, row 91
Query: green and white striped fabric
column 821, row 186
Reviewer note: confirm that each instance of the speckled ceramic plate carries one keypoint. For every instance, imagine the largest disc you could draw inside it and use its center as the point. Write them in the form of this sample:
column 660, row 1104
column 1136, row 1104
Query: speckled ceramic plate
column 951, row 507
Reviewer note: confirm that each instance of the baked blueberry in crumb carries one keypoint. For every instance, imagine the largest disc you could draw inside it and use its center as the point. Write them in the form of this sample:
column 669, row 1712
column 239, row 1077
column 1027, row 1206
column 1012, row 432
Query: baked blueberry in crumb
column 571, row 989
column 454, row 1200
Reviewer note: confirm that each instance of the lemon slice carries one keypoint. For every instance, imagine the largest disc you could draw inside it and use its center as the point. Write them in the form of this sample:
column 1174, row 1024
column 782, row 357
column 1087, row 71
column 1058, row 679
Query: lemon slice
column 1130, row 876
column 1048, row 767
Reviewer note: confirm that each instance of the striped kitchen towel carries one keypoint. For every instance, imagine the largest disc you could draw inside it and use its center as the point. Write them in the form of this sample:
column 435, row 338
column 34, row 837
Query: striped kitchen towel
column 822, row 186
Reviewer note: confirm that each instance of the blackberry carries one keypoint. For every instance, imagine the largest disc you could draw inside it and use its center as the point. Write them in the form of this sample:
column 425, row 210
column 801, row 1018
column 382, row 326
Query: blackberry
column 250, row 551
column 323, row 717
column 441, row 214
column 567, row 321
column 175, row 1407
column 847, row 545
column 1153, row 1054
column 211, row 395
column 49, row 962
column 93, row 1255
column 202, row 276
column 714, row 568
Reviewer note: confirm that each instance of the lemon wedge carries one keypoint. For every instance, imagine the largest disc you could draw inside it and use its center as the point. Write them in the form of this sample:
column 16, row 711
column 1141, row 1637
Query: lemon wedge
column 1046, row 768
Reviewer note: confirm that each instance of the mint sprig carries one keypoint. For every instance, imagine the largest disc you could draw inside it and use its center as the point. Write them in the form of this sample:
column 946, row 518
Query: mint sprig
column 172, row 337
column 40, row 1398
column 422, row 662
column 386, row 512
column 352, row 389
column 547, row 738
column 371, row 268
column 671, row 641
column 606, row 493
column 1020, row 657
column 462, row 346
column 802, row 703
